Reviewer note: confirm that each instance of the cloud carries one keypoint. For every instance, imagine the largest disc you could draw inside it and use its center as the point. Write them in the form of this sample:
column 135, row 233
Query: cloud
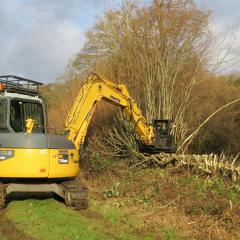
column 38, row 37
column 224, row 22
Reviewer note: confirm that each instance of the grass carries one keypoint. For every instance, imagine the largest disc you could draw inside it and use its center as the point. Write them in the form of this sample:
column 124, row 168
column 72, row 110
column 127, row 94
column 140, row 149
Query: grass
column 171, row 233
column 176, row 204
column 49, row 219
column 147, row 204
column 121, row 219
column 216, row 186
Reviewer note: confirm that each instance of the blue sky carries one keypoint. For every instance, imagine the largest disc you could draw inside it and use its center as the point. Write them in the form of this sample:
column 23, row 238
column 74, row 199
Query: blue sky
column 39, row 37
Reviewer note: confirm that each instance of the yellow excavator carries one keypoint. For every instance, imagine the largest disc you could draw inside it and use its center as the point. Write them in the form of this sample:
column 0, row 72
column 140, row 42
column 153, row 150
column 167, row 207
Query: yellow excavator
column 33, row 161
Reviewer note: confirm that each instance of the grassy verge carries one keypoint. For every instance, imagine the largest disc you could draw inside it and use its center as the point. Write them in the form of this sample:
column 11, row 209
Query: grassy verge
column 49, row 219
column 146, row 204
column 172, row 203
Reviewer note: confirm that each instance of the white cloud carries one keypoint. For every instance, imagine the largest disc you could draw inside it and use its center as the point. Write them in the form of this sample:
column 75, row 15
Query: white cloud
column 224, row 21
column 44, row 50
column 38, row 37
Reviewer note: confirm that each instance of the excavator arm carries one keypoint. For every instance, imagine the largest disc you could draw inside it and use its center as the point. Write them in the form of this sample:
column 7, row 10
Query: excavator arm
column 96, row 89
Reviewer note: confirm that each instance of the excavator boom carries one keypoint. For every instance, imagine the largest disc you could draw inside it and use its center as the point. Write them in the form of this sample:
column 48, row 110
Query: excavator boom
column 96, row 89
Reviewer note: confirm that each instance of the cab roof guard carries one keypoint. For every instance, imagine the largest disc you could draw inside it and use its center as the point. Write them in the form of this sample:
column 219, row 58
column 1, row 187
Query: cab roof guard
column 13, row 83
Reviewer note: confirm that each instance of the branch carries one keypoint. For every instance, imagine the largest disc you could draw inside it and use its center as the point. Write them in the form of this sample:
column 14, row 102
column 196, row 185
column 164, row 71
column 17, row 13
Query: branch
column 189, row 139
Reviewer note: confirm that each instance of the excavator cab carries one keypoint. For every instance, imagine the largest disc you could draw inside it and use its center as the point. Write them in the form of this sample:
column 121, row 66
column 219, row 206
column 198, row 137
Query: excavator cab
column 21, row 109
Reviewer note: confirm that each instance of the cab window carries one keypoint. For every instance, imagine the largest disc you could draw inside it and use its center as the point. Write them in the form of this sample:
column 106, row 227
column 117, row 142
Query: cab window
column 20, row 111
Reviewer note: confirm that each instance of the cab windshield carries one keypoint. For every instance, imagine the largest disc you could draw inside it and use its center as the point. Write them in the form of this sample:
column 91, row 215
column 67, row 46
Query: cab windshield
column 20, row 111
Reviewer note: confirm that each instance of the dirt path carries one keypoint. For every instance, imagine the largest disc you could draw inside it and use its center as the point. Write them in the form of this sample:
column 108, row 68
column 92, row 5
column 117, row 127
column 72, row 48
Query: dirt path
column 9, row 231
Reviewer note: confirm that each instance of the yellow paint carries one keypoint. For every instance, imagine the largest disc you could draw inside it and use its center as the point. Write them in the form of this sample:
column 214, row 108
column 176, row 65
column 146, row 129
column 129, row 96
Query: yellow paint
column 44, row 163
column 38, row 163
column 69, row 169
column 94, row 90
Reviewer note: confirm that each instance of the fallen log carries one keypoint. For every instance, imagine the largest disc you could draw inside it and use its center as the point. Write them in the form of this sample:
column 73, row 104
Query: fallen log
column 212, row 164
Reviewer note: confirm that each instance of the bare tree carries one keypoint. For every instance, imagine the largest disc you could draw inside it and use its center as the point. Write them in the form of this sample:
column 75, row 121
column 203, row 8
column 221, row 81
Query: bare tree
column 158, row 51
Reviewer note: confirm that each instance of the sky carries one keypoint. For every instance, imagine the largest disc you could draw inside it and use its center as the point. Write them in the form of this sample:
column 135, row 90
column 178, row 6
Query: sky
column 225, row 25
column 39, row 37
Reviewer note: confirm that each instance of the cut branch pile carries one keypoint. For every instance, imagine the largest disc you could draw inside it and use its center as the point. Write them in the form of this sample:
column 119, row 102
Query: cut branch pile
column 208, row 164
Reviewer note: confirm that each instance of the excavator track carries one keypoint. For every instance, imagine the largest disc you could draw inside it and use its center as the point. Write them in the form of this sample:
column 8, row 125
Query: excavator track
column 75, row 194
column 2, row 195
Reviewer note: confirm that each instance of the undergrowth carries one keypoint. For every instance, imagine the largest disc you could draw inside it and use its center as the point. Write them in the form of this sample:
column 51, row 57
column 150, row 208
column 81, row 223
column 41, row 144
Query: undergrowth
column 164, row 196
